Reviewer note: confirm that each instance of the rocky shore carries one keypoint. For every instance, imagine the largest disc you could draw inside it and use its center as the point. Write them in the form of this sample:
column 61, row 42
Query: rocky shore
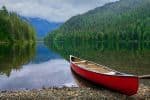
column 73, row 94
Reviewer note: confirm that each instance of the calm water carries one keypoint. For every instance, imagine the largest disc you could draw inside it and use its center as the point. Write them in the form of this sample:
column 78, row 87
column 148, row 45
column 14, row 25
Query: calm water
column 132, row 57
column 30, row 66
column 34, row 67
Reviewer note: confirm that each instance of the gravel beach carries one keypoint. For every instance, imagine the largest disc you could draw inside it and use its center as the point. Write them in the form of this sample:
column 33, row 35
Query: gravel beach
column 73, row 94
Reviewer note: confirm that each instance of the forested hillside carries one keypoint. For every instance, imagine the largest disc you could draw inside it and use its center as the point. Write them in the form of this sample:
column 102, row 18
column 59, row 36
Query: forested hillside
column 124, row 20
column 13, row 28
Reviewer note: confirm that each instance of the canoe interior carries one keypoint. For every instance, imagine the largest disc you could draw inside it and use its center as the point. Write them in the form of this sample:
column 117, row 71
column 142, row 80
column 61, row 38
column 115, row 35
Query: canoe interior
column 91, row 66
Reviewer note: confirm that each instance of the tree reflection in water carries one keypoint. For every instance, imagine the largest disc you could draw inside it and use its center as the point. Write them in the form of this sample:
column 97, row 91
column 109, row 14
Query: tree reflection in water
column 12, row 57
column 128, row 57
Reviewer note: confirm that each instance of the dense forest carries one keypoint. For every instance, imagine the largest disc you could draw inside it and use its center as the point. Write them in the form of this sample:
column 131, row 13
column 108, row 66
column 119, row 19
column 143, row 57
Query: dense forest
column 13, row 28
column 124, row 20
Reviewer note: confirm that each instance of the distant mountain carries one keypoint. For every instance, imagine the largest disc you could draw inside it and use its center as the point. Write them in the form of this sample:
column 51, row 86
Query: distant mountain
column 42, row 26
column 124, row 20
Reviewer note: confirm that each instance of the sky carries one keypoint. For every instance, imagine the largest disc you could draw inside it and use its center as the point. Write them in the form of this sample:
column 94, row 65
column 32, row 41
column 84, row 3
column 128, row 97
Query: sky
column 52, row 10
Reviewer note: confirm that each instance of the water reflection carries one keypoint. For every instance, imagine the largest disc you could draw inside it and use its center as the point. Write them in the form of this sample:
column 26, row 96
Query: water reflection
column 53, row 73
column 44, row 54
column 12, row 57
column 30, row 66
column 131, row 57
column 44, row 69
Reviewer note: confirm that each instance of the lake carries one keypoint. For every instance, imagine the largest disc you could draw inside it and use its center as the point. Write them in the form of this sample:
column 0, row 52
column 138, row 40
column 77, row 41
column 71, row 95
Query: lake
column 38, row 66
column 33, row 67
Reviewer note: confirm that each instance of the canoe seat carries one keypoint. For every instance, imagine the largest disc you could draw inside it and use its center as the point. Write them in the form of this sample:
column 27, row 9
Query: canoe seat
column 95, row 69
column 78, row 62
column 111, row 73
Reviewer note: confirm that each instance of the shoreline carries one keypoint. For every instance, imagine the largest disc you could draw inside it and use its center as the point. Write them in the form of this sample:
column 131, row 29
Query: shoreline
column 73, row 93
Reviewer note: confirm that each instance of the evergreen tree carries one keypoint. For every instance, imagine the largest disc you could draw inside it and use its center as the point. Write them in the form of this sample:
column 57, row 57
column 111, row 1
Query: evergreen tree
column 124, row 20
column 13, row 28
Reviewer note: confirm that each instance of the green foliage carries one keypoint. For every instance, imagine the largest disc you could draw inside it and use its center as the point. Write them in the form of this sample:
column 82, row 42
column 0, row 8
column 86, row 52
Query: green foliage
column 125, row 20
column 13, row 28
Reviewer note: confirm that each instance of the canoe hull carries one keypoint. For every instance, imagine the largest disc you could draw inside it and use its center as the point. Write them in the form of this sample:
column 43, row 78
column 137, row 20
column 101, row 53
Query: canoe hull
column 124, row 84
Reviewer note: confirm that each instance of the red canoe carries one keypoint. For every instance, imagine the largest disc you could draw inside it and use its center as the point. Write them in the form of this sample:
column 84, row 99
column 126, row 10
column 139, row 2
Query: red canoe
column 104, row 76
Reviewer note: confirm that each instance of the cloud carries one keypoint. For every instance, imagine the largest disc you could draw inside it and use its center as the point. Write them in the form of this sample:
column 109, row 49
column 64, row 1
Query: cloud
column 52, row 10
